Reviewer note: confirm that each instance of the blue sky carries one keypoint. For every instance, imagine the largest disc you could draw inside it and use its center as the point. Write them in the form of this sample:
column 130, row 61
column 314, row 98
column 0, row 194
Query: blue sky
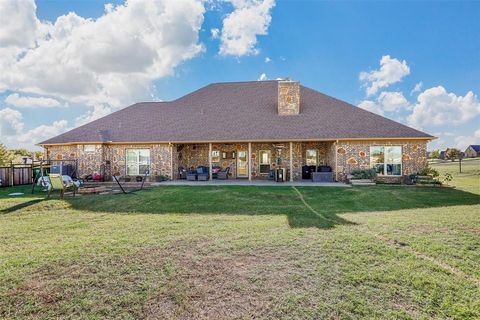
column 434, row 46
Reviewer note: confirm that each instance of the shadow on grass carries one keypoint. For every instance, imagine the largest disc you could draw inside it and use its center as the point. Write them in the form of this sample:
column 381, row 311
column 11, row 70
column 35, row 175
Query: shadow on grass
column 20, row 206
column 328, row 202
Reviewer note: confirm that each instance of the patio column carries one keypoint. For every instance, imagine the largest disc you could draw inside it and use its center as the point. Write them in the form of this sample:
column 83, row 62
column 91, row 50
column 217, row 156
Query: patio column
column 249, row 161
column 291, row 161
column 210, row 160
column 336, row 161
column 171, row 162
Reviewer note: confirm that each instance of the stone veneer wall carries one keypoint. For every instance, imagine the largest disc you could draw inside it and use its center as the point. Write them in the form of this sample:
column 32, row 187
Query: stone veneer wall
column 348, row 156
column 91, row 162
column 356, row 154
column 288, row 97
column 278, row 151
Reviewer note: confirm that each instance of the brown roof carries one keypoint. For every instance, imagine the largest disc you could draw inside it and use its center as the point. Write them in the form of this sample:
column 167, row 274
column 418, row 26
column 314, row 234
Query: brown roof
column 237, row 111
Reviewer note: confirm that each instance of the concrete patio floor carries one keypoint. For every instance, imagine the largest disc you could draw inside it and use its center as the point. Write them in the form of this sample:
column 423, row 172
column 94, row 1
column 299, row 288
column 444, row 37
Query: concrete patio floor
column 241, row 182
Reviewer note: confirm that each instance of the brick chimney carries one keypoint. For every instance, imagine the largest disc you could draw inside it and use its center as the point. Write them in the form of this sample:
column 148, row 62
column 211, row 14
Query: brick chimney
column 288, row 97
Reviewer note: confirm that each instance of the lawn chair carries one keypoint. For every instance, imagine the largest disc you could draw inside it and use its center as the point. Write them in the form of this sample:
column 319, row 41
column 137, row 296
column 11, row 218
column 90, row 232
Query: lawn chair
column 223, row 175
column 56, row 183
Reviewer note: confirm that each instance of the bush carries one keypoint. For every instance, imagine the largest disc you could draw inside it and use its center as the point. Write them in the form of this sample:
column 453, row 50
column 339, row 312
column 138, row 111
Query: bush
column 429, row 171
column 161, row 178
column 364, row 174
column 429, row 181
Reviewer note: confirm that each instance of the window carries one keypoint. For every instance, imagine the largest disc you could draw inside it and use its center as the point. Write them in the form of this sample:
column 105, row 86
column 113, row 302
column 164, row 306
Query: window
column 89, row 148
column 138, row 161
column 265, row 162
column 386, row 160
column 312, row 157
column 215, row 156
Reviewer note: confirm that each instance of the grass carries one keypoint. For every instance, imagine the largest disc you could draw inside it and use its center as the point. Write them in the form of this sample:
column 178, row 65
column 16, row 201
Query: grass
column 384, row 252
column 468, row 180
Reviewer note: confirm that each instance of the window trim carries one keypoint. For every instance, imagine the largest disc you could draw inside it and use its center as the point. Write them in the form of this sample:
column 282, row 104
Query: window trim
column 385, row 163
column 316, row 157
column 138, row 161
column 260, row 164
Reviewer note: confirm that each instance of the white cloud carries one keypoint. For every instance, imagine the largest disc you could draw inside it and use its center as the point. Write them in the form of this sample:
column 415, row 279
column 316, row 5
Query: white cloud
column 11, row 122
column 20, row 26
column 371, row 106
column 267, row 60
column 42, row 132
column 391, row 71
column 392, row 101
column 241, row 27
column 436, row 107
column 214, row 33
column 262, row 77
column 386, row 102
column 13, row 133
column 417, row 88
column 97, row 112
column 31, row 102
column 110, row 60
column 462, row 142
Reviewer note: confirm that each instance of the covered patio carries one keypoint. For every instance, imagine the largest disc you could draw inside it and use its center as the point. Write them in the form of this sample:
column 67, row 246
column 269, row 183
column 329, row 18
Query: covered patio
column 254, row 161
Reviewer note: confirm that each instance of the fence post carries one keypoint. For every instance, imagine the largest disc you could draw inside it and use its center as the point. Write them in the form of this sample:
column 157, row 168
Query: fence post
column 11, row 174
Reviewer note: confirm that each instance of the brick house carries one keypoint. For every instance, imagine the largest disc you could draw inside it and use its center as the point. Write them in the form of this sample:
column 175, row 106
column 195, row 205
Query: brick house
column 251, row 127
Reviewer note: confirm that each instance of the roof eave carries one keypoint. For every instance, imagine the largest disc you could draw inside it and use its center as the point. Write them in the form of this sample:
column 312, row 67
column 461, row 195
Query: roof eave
column 428, row 138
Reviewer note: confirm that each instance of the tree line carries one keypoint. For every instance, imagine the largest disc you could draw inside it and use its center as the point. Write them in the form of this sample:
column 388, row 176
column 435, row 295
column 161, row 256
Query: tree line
column 8, row 156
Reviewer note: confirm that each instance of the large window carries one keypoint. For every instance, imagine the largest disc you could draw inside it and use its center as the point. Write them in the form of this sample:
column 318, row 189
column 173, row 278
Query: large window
column 386, row 160
column 312, row 157
column 138, row 161
column 265, row 159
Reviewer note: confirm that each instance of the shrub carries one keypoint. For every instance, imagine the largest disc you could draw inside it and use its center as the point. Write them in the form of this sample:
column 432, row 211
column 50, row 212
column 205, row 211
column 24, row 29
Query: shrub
column 161, row 178
column 364, row 173
column 429, row 171
column 429, row 181
column 448, row 177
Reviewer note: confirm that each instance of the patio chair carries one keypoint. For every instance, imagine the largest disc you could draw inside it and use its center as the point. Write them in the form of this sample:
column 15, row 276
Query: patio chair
column 223, row 174
column 202, row 173
column 191, row 175
column 56, row 183
column 215, row 171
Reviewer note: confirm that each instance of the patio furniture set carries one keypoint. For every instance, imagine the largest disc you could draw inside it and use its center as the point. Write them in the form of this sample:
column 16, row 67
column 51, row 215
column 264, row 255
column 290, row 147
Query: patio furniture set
column 202, row 173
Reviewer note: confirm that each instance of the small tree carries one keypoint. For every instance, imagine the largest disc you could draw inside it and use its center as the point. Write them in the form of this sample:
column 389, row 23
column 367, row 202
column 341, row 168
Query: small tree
column 435, row 154
column 448, row 177
column 5, row 155
column 452, row 154
column 21, row 152
column 38, row 155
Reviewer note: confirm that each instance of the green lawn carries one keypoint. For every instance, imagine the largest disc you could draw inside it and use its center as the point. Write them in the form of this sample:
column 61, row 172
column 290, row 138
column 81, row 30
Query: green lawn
column 384, row 252
column 468, row 180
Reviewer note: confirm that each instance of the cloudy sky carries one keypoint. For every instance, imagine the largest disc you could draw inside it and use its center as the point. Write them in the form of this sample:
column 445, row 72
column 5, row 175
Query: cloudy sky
column 64, row 63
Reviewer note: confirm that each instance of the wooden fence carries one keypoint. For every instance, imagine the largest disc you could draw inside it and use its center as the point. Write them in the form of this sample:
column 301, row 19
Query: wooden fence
column 15, row 175
column 20, row 174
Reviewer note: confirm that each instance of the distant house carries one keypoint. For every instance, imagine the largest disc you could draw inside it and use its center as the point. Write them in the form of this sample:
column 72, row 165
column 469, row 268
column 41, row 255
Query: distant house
column 442, row 155
column 249, row 128
column 472, row 151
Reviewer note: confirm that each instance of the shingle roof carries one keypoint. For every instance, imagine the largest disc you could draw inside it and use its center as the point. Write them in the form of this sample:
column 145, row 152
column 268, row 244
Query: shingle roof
column 237, row 111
